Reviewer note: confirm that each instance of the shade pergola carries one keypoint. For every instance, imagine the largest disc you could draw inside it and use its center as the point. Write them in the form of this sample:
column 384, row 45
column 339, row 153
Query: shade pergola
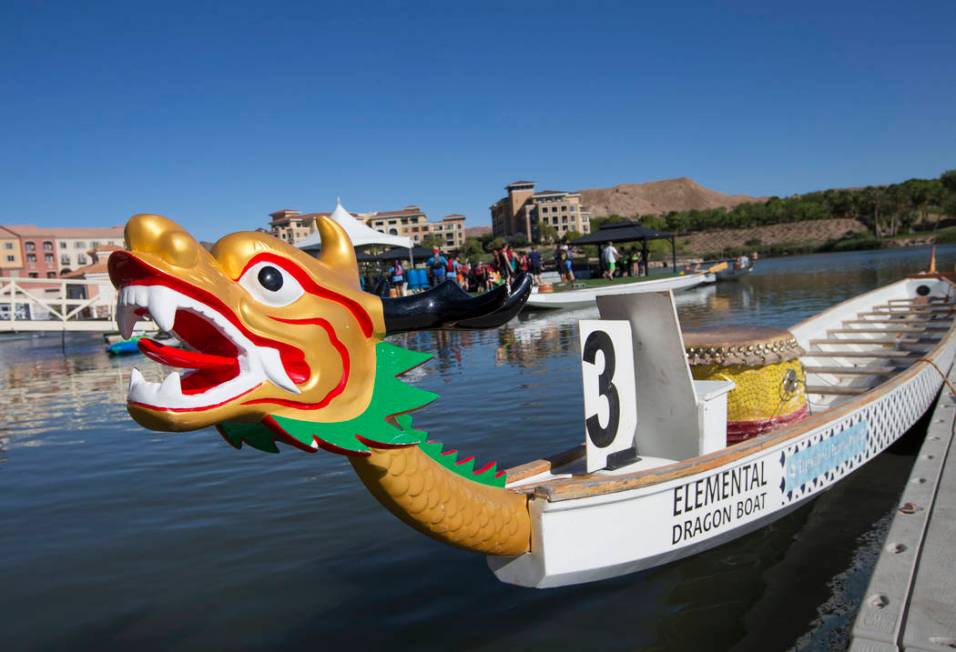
column 629, row 232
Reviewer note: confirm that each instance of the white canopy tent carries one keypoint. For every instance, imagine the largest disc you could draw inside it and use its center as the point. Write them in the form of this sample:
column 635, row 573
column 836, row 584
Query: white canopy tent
column 360, row 234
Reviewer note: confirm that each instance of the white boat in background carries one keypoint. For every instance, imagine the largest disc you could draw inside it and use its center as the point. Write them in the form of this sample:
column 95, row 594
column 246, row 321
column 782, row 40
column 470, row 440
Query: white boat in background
column 873, row 366
column 587, row 296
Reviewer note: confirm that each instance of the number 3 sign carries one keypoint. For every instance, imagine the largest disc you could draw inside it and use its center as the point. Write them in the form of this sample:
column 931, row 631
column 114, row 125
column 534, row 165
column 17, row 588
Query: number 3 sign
column 610, row 399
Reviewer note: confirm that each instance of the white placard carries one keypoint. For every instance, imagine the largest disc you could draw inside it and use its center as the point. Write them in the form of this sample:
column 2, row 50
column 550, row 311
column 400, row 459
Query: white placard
column 610, row 398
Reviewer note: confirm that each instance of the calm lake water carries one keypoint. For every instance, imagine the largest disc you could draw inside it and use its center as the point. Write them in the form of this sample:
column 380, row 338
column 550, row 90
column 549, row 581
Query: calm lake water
column 114, row 537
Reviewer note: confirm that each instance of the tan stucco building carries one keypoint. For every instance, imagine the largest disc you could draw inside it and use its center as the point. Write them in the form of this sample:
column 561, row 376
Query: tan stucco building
column 47, row 252
column 524, row 209
column 11, row 259
column 412, row 222
column 293, row 226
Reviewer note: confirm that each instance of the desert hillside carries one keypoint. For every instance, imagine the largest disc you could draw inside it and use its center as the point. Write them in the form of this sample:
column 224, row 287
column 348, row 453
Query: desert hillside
column 657, row 197
column 814, row 232
column 476, row 231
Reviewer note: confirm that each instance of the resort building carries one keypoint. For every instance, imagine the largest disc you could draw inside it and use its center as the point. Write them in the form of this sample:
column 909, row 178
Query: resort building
column 49, row 252
column 293, row 226
column 10, row 259
column 97, row 275
column 74, row 245
column 412, row 222
column 524, row 209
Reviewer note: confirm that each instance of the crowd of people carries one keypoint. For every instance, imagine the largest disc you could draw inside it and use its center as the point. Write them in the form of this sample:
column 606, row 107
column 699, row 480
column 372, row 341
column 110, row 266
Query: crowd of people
column 506, row 264
column 628, row 262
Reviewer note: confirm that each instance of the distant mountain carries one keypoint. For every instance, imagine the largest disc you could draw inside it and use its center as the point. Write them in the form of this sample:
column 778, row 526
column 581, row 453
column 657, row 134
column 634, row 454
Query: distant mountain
column 476, row 231
column 657, row 197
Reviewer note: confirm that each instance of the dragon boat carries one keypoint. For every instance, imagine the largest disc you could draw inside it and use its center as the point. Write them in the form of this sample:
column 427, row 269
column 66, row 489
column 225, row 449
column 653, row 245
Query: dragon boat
column 689, row 441
column 587, row 296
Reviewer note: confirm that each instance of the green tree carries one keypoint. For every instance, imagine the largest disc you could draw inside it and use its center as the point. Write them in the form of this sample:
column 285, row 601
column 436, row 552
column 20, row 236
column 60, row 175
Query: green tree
column 432, row 240
column 948, row 179
column 485, row 239
column 517, row 240
column 547, row 234
column 571, row 236
column 948, row 196
column 471, row 249
column 497, row 243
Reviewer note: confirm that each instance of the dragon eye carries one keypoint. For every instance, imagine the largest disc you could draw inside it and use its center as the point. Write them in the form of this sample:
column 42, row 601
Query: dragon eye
column 271, row 284
column 270, row 278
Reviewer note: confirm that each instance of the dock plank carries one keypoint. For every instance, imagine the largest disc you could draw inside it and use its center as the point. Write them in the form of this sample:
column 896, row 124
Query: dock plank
column 931, row 618
column 909, row 601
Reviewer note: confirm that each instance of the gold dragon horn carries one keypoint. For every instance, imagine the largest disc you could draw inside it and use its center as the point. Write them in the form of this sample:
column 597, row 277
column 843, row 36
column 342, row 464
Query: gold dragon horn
column 337, row 252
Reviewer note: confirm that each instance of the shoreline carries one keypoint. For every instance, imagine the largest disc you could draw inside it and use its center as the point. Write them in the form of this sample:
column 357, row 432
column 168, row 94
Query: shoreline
column 783, row 249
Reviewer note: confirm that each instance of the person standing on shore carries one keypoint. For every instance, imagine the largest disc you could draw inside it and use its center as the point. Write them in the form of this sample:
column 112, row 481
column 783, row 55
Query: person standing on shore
column 610, row 260
column 396, row 274
column 568, row 264
column 437, row 267
column 534, row 264
column 503, row 263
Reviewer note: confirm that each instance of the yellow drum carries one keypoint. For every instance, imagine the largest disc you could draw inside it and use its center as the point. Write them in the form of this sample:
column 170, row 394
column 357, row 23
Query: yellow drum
column 765, row 365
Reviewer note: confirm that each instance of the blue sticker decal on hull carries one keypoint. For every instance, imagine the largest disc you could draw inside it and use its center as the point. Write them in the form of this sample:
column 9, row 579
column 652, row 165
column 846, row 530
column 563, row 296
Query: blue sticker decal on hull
column 828, row 454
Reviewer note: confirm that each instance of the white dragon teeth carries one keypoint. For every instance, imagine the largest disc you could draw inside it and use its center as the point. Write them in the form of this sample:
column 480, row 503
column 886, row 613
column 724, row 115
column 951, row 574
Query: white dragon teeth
column 126, row 319
column 135, row 378
column 172, row 386
column 140, row 390
column 275, row 371
column 256, row 364
column 162, row 306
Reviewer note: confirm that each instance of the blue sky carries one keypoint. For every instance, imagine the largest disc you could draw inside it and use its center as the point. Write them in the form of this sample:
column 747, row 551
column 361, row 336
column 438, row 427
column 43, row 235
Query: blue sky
column 216, row 114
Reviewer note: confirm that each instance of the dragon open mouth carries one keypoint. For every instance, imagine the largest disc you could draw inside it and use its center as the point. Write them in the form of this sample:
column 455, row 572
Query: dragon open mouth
column 223, row 363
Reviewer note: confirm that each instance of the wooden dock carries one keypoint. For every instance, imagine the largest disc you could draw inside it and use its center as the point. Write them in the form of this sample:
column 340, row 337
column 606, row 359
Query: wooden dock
column 56, row 305
column 910, row 603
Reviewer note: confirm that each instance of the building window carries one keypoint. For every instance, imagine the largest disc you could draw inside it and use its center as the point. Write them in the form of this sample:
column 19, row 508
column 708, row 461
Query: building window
column 11, row 259
column 94, row 244
column 31, row 258
column 64, row 260
column 8, row 245
column 34, row 275
column 81, row 260
column 30, row 246
column 79, row 244
column 51, row 274
column 62, row 245
column 48, row 258
column 47, row 246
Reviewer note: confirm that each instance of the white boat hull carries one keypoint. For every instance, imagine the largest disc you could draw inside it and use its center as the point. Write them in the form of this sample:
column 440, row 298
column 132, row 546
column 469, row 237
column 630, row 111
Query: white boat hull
column 678, row 509
column 586, row 297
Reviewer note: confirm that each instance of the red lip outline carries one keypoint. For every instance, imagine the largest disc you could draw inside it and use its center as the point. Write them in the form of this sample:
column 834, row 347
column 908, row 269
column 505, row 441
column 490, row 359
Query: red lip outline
column 125, row 268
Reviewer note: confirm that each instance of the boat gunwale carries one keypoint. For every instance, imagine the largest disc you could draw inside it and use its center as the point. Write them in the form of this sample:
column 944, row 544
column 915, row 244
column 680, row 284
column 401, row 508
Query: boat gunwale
column 580, row 292
column 589, row 485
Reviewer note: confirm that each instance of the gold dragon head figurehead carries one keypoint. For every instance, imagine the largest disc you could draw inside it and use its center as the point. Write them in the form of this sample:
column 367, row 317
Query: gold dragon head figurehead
column 277, row 344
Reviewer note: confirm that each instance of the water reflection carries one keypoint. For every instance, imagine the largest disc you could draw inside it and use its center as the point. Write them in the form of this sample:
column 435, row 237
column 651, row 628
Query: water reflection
column 243, row 549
